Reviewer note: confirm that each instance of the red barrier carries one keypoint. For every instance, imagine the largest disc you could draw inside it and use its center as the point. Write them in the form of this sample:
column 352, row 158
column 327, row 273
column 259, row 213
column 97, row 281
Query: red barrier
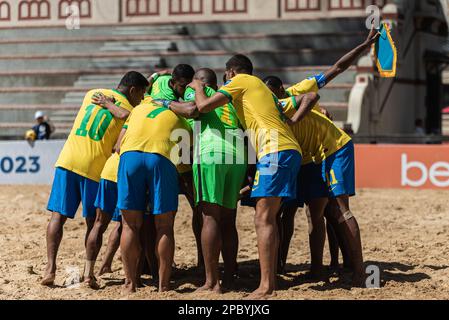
column 402, row 166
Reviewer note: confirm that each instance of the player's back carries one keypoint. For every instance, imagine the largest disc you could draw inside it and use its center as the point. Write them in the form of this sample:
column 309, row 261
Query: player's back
column 220, row 129
column 93, row 136
column 161, row 89
column 150, row 128
column 258, row 111
column 318, row 136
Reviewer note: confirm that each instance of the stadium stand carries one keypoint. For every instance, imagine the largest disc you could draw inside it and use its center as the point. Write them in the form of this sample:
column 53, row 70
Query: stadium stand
column 52, row 70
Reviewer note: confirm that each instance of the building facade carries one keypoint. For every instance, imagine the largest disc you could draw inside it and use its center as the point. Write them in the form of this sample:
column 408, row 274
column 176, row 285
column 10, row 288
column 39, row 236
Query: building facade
column 16, row 13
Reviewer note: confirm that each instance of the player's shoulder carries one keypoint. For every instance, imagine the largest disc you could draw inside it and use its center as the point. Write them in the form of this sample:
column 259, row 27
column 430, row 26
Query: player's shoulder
column 189, row 95
column 165, row 79
column 91, row 92
column 240, row 78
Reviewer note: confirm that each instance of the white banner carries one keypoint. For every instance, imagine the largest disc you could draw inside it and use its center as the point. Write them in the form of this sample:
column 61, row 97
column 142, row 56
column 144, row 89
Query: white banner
column 23, row 163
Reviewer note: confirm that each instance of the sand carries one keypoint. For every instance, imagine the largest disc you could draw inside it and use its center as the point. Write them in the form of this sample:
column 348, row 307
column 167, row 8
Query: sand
column 404, row 233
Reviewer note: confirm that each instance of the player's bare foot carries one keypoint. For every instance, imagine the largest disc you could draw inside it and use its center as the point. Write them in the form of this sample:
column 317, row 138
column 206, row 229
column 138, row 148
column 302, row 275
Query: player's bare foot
column 92, row 283
column 164, row 289
column 128, row 289
column 318, row 275
column 261, row 294
column 139, row 283
column 359, row 281
column 48, row 280
column 333, row 270
column 210, row 288
column 229, row 282
column 105, row 270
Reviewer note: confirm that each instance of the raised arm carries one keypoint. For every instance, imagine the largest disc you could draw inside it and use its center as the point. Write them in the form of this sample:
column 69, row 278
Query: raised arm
column 108, row 103
column 306, row 104
column 203, row 103
column 348, row 59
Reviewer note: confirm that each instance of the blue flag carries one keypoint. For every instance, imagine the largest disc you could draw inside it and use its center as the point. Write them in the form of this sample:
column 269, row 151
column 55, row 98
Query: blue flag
column 386, row 53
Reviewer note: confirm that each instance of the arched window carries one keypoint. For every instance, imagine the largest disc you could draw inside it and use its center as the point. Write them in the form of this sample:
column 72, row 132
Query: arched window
column 85, row 8
column 5, row 11
column 142, row 7
column 34, row 10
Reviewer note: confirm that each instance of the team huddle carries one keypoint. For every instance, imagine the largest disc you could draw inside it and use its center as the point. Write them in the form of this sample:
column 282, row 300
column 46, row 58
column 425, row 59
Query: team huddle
column 133, row 150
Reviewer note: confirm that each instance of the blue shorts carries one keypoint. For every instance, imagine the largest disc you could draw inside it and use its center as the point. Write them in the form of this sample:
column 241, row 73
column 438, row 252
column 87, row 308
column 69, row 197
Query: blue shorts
column 312, row 185
column 107, row 199
column 69, row 190
column 276, row 175
column 339, row 172
column 147, row 179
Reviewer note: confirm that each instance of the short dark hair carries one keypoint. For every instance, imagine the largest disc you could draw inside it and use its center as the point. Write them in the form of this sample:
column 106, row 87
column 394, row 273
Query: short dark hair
column 240, row 63
column 134, row 79
column 208, row 76
column 183, row 71
column 273, row 81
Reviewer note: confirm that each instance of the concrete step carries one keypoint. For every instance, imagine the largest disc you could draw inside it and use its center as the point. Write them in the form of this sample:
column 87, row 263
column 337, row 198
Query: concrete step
column 31, row 97
column 129, row 62
column 90, row 31
column 145, row 30
column 77, row 62
column 339, row 111
column 228, row 42
column 95, row 84
column 130, row 46
column 335, row 95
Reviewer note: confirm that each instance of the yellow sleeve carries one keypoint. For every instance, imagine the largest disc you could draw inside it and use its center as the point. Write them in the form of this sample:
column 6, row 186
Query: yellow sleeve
column 232, row 89
column 289, row 106
column 305, row 86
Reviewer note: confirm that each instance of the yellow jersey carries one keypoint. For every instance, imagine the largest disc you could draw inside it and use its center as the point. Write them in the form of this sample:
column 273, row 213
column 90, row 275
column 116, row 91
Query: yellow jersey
column 317, row 135
column 313, row 84
column 259, row 113
column 150, row 128
column 182, row 168
column 93, row 136
column 110, row 169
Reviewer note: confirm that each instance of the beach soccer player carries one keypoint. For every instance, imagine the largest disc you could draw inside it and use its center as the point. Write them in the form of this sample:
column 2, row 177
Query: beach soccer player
column 79, row 167
column 148, row 177
column 219, row 170
column 278, row 155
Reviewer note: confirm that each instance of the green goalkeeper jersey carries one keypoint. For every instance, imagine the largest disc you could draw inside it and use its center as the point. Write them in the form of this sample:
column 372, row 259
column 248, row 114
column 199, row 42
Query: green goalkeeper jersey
column 161, row 89
column 220, row 133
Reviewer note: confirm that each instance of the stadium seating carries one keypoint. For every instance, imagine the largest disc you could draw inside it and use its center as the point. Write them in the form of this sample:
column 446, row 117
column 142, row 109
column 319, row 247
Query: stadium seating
column 50, row 69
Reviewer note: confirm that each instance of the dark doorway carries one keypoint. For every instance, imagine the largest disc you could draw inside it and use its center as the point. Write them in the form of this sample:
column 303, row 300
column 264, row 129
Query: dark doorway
column 434, row 103
column 435, row 64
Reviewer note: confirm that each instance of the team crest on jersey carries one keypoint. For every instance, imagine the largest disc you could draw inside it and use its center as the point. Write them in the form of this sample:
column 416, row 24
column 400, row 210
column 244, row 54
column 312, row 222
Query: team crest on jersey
column 283, row 104
column 190, row 96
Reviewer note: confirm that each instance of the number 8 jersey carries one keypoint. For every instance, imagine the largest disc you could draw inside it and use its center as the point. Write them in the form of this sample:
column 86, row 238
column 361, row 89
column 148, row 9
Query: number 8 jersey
column 93, row 136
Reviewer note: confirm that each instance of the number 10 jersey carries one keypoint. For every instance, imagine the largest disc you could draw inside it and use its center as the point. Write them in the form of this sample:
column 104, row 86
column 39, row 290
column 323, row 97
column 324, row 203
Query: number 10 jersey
column 93, row 136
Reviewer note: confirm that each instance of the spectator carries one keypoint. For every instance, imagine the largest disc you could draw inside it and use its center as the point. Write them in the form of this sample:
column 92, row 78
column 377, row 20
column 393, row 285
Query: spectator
column 42, row 129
